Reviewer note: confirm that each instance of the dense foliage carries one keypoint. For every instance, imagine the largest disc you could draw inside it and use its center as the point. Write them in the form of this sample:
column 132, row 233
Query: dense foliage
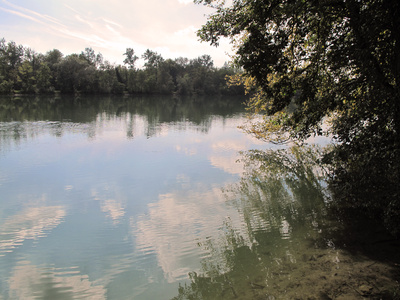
column 25, row 71
column 313, row 62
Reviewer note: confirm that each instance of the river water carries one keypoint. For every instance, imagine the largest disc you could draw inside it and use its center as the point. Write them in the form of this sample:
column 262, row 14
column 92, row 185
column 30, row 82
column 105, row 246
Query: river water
column 153, row 198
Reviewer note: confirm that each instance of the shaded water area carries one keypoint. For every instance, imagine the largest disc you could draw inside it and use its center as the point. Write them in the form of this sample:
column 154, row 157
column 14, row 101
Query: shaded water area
column 165, row 198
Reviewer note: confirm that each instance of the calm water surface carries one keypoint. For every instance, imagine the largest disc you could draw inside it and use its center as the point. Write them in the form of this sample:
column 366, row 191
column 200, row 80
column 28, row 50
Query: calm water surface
column 143, row 198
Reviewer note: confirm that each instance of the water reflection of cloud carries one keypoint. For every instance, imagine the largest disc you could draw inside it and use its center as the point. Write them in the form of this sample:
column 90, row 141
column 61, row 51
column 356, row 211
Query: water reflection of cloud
column 175, row 224
column 29, row 281
column 229, row 145
column 189, row 151
column 228, row 164
column 111, row 207
column 225, row 154
column 113, row 210
column 32, row 223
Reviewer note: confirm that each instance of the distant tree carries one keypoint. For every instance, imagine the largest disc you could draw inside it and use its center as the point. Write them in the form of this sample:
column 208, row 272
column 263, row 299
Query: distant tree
column 99, row 60
column 165, row 82
column 182, row 62
column 131, row 58
column 11, row 58
column 25, row 70
column 204, row 61
column 89, row 55
column 26, row 78
column 73, row 74
column 152, row 59
column 152, row 62
column 43, row 79
column 52, row 58
column 33, row 58
column 184, row 85
column 201, row 73
column 14, row 55
column 107, row 78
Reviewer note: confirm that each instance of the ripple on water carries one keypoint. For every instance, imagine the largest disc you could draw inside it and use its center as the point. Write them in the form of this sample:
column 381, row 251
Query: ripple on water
column 30, row 224
column 27, row 280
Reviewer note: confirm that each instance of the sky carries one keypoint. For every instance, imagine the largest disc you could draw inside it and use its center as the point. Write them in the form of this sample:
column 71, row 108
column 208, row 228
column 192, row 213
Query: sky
column 109, row 27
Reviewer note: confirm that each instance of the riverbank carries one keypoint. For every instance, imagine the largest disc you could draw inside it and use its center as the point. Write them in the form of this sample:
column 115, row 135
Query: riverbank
column 362, row 262
column 336, row 275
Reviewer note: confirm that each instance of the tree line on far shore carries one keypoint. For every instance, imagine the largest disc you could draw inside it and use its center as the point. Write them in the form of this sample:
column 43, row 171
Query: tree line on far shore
column 23, row 70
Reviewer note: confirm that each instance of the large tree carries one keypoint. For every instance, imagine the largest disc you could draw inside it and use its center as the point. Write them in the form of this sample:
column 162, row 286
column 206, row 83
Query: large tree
column 311, row 61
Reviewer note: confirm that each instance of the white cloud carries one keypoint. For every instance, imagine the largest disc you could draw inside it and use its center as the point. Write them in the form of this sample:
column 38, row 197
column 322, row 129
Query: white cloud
column 112, row 23
column 168, row 27
column 29, row 12
column 185, row 1
column 22, row 15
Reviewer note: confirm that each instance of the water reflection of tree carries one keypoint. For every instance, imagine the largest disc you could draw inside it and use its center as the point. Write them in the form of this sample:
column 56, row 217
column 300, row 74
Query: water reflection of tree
column 281, row 200
column 284, row 185
column 20, row 117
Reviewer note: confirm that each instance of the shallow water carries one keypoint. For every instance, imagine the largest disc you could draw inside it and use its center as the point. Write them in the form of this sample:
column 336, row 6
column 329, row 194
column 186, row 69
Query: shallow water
column 151, row 198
